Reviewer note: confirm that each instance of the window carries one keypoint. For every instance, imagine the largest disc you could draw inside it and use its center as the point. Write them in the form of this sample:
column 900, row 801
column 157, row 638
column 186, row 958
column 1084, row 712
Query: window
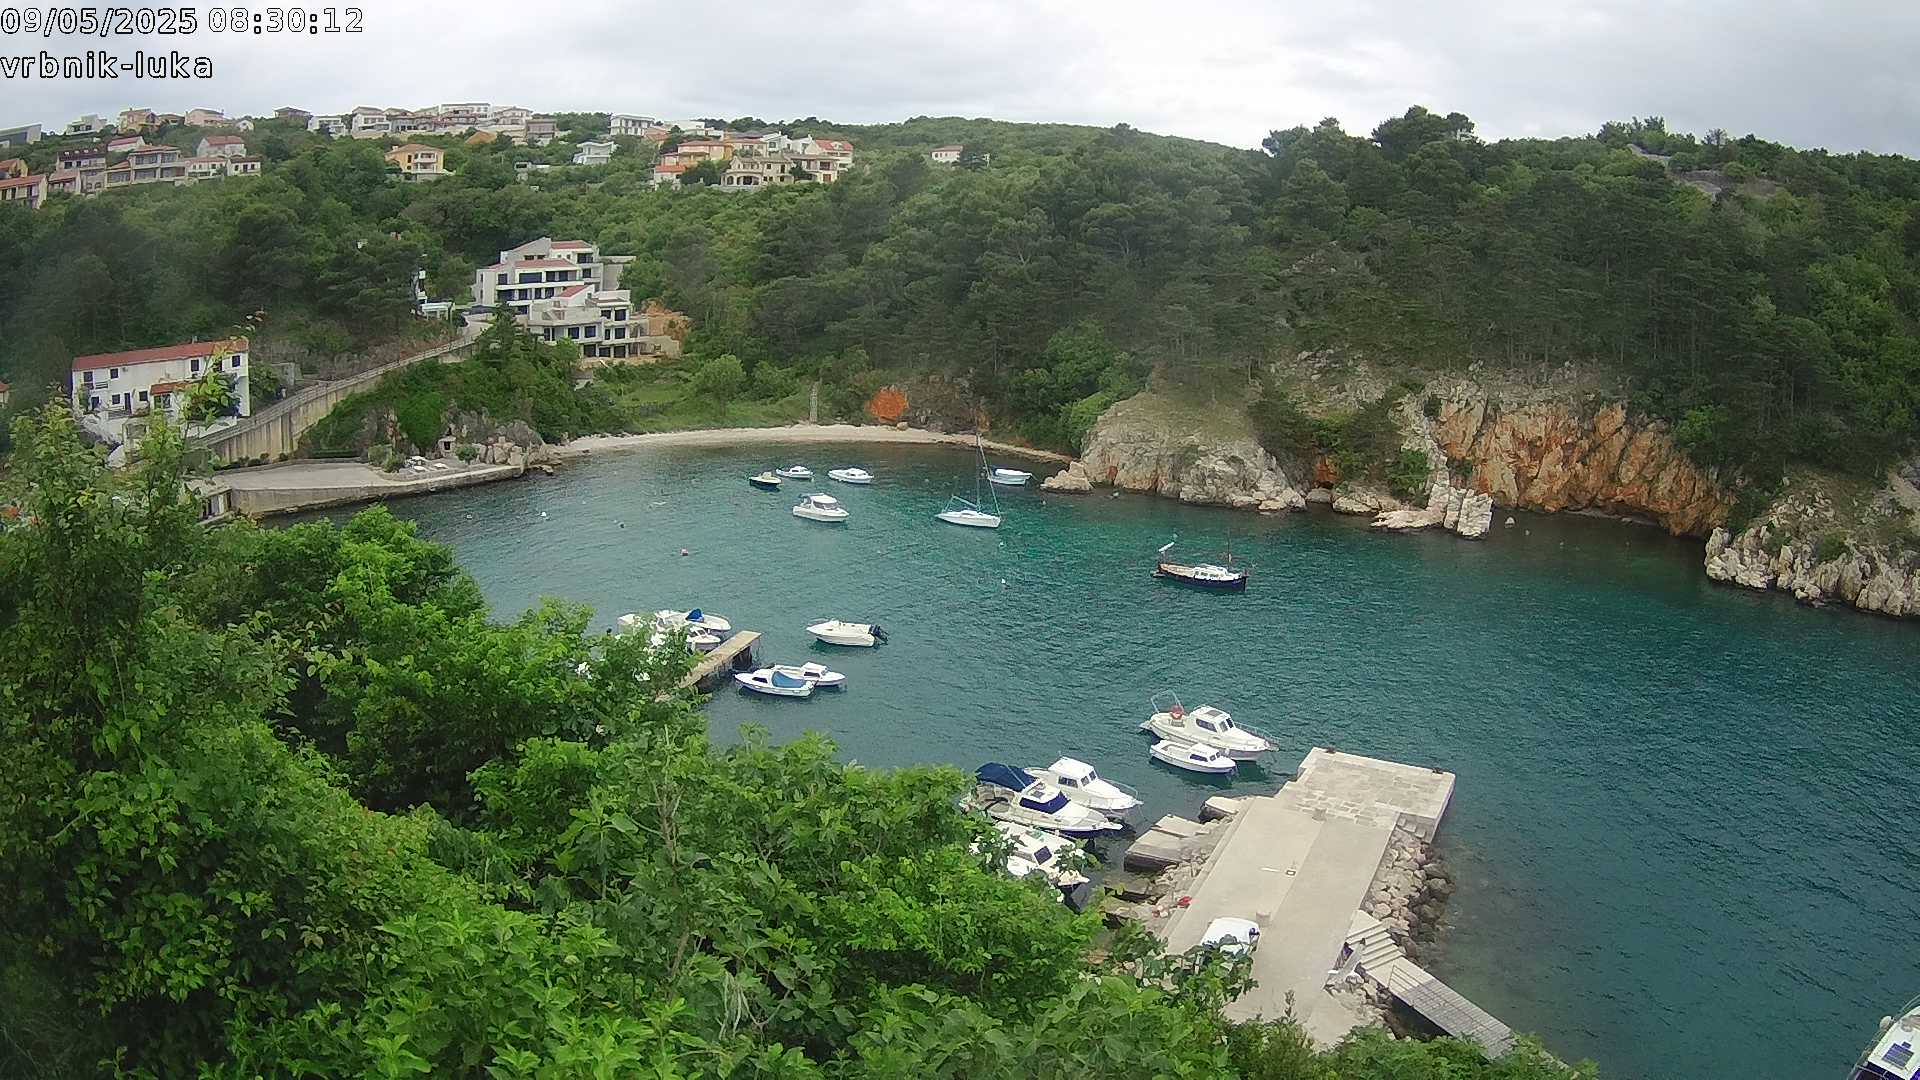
column 113, row 373
column 93, row 403
column 196, row 365
column 143, row 395
column 500, row 279
column 619, row 314
column 116, row 399
column 529, row 276
column 593, row 331
column 573, row 332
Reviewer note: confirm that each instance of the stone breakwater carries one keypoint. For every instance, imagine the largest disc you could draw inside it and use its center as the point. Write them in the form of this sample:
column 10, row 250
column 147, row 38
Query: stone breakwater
column 1409, row 890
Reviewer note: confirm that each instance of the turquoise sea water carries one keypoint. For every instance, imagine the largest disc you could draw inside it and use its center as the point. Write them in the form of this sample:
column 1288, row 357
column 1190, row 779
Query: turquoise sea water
column 1683, row 825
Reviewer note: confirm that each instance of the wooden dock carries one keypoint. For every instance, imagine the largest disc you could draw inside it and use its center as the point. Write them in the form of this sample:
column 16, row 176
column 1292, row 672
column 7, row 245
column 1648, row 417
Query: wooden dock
column 1447, row 1009
column 731, row 655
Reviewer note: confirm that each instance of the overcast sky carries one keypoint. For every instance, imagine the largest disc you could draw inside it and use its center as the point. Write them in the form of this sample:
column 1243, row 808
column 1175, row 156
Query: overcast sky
column 1835, row 73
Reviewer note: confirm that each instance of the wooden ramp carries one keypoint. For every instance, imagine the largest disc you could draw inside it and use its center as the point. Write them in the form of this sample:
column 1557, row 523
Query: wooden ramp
column 730, row 655
column 1448, row 1011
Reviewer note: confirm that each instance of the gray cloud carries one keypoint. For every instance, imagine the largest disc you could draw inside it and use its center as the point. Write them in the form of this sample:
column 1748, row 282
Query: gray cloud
column 1834, row 74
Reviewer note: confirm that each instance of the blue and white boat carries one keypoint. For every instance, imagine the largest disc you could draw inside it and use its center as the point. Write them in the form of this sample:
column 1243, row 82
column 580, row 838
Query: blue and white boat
column 774, row 683
column 1895, row 1055
column 1010, row 794
column 817, row 674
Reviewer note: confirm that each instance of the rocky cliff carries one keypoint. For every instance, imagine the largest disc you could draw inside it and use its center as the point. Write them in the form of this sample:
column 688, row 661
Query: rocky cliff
column 1547, row 456
column 1828, row 540
column 1152, row 443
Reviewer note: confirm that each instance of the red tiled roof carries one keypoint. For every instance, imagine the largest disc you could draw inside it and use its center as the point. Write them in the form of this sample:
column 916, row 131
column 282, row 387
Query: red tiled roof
column 541, row 264
column 833, row 144
column 23, row 181
column 571, row 244
column 572, row 290
column 162, row 146
column 224, row 140
column 183, row 351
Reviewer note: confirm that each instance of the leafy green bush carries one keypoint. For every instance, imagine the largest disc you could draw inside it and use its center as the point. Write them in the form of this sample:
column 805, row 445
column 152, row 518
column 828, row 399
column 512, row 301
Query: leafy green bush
column 1430, row 408
column 1831, row 546
column 1410, row 478
column 1281, row 426
column 422, row 417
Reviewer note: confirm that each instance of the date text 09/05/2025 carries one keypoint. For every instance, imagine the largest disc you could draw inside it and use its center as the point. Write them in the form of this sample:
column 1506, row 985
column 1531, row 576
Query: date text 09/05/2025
column 126, row 21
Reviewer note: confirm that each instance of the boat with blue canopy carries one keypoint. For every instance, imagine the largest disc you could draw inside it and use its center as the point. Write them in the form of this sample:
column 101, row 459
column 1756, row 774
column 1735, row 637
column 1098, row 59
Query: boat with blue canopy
column 1012, row 794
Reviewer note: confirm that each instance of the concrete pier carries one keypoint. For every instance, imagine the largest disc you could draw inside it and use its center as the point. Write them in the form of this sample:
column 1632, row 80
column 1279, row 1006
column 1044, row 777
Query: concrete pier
column 1300, row 863
column 733, row 654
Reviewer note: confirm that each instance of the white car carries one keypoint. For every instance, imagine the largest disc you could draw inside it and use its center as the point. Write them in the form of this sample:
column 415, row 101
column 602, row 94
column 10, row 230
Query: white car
column 1229, row 934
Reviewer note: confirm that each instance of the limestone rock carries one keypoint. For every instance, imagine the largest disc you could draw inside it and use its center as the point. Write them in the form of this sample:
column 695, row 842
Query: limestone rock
column 1147, row 444
column 1778, row 553
column 1072, row 480
column 1323, row 496
column 1457, row 510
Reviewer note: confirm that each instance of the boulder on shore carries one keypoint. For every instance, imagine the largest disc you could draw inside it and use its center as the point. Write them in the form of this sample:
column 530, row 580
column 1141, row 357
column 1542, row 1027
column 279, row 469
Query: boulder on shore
column 1467, row 513
column 1072, row 480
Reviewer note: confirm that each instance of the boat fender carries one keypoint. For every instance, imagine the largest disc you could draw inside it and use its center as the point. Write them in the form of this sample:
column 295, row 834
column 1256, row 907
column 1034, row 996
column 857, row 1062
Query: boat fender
column 1185, row 901
column 684, row 552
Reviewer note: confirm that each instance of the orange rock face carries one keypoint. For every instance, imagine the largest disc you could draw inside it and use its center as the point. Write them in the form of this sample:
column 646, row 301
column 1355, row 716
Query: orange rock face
column 1544, row 457
column 888, row 405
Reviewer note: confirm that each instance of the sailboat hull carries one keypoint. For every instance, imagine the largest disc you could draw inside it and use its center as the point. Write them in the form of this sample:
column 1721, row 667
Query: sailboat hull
column 1184, row 576
column 972, row 518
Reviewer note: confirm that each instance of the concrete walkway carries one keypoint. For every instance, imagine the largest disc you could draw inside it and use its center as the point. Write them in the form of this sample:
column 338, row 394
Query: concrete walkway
column 311, row 485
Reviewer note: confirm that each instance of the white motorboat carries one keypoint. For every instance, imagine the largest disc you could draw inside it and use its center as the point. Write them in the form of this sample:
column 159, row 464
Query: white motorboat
column 765, row 480
column 1205, row 724
column 1042, row 851
column 699, row 639
column 836, row 632
column 773, row 682
column 851, row 475
column 667, row 618
column 817, row 507
column 795, row 472
column 961, row 512
column 817, row 674
column 1193, row 757
column 1010, row 794
column 1891, row 1057
column 1078, row 781
column 1009, row 477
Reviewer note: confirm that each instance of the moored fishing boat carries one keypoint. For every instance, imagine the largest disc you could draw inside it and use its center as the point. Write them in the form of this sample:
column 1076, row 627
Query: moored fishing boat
column 1078, row 781
column 837, row 632
column 1206, row 724
column 773, row 683
column 852, row 474
column 1009, row 477
column 817, row 674
column 1213, row 576
column 795, row 472
column 765, row 480
column 818, row 507
column 1193, row 757
column 1011, row 794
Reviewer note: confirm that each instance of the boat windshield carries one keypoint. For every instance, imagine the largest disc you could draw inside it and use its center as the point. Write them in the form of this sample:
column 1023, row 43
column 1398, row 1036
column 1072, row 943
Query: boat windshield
column 1042, row 798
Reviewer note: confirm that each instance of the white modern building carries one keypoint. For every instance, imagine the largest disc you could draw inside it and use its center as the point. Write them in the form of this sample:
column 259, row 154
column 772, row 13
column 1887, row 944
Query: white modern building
column 112, row 391
column 627, row 125
column 563, row 290
column 946, row 155
column 329, row 126
column 222, row 146
column 90, row 124
column 369, row 123
column 595, row 153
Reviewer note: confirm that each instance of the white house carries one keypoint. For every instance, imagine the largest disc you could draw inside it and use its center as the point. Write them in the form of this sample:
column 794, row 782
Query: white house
column 205, row 167
column 329, row 125
column 626, row 125
column 90, row 124
column 509, row 116
column 222, row 146
column 370, row 123
column 595, row 153
column 563, row 290
column 946, row 155
column 112, row 390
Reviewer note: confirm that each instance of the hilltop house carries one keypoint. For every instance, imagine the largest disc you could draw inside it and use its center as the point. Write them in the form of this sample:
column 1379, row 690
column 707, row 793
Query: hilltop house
column 148, row 165
column 126, row 144
column 292, row 115
column 222, row 146
column 625, row 125
column 667, row 174
column 89, row 124
column 205, row 118
column 83, row 157
column 113, row 390
column 418, row 161
column 541, row 130
column 330, row 125
column 595, row 153
column 366, row 122
column 946, row 155
column 12, row 169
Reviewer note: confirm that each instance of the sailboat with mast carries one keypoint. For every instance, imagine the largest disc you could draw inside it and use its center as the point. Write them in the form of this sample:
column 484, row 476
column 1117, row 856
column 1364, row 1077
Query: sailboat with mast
column 961, row 512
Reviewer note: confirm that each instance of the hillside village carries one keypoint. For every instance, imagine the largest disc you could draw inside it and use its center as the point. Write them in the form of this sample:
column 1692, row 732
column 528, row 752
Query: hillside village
column 559, row 290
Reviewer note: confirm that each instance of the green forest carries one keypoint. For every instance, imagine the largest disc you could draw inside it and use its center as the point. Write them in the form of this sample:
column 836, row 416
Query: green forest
column 288, row 802
column 1761, row 298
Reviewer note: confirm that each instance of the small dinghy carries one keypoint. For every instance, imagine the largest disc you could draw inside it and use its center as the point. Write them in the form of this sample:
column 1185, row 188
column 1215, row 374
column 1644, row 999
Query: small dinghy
column 765, row 480
column 795, row 472
column 1010, row 794
column 836, row 632
column 1206, row 724
column 817, row 507
column 1078, row 781
column 774, row 683
column 817, row 674
column 851, row 475
column 1193, row 757
column 1009, row 477
column 1041, row 851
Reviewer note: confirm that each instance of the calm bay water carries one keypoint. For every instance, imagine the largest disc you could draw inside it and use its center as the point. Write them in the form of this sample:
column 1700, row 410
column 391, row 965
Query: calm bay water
column 1682, row 830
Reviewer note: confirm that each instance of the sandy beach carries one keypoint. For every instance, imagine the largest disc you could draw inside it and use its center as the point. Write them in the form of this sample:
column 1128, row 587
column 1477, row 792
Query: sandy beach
column 796, row 433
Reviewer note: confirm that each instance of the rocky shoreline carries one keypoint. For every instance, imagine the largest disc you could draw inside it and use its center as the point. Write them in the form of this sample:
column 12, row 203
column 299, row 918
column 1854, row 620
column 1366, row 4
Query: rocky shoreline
column 1528, row 449
column 1410, row 890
